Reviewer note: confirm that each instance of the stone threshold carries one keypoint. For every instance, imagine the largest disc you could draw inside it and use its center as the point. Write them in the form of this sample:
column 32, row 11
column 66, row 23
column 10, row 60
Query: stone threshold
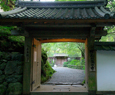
column 61, row 88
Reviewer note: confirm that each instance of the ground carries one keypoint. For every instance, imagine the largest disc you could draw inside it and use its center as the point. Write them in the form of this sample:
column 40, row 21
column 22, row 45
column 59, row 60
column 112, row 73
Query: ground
column 66, row 76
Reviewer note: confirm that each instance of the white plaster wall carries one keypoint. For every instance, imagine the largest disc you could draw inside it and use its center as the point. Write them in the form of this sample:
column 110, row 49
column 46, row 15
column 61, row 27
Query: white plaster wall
column 105, row 70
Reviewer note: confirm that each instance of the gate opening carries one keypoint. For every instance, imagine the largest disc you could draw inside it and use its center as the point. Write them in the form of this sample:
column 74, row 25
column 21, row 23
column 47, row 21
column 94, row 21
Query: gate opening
column 73, row 63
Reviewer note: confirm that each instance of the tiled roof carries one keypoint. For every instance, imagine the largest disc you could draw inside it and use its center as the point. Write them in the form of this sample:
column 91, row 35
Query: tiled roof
column 108, row 46
column 59, row 10
column 60, row 55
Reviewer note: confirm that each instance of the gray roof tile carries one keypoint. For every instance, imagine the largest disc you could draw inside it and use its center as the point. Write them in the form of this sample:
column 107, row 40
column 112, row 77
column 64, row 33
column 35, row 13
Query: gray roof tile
column 64, row 10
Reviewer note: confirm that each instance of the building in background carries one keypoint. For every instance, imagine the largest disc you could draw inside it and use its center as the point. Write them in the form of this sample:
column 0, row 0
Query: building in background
column 60, row 58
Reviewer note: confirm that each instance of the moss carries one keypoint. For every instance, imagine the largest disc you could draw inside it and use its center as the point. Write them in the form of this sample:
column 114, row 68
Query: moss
column 49, row 72
column 44, row 56
column 92, row 82
column 46, row 69
column 83, row 82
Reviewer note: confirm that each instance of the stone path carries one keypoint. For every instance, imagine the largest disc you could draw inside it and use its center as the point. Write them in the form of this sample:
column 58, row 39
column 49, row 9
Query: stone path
column 66, row 76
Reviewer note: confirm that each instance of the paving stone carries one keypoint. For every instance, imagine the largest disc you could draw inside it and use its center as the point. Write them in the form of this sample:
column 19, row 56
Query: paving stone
column 66, row 76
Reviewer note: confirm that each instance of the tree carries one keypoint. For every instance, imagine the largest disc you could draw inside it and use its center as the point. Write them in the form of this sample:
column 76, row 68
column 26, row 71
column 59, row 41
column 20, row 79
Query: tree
column 70, row 48
column 7, row 5
column 81, row 47
column 110, row 29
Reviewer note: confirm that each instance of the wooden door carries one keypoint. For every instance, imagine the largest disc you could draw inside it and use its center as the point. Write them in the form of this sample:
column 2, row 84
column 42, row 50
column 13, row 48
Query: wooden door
column 36, row 71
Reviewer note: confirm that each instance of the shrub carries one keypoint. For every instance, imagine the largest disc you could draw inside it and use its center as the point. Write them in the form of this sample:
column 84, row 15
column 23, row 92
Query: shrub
column 82, row 61
column 48, row 72
column 46, row 69
column 65, row 64
column 75, row 62
column 52, row 62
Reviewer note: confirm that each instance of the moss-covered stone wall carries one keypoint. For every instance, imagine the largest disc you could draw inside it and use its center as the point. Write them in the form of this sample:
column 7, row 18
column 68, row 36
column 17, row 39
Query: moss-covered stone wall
column 11, row 65
column 11, row 70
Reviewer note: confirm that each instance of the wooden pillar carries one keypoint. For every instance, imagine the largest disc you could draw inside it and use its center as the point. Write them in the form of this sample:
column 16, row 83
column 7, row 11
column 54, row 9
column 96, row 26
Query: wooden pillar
column 91, row 63
column 27, row 65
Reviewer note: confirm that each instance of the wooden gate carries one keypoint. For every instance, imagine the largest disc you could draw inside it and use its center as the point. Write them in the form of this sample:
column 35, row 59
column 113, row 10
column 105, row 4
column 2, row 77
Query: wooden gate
column 36, row 69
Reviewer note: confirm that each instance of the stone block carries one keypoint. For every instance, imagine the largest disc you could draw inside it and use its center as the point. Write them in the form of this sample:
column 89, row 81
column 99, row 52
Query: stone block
column 2, row 66
column 0, row 72
column 11, row 67
column 17, row 56
column 2, row 77
column 2, row 89
column 5, row 84
column 11, row 79
column 19, row 78
column 14, row 88
column 19, row 70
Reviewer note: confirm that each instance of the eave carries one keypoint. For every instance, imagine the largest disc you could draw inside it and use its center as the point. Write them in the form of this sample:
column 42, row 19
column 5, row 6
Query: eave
column 56, row 23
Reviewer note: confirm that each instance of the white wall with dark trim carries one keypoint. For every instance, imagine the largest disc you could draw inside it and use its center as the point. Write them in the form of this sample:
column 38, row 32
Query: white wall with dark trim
column 105, row 70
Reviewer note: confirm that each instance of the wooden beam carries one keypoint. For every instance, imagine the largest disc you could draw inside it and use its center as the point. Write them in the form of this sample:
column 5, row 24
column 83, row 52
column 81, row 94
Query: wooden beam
column 58, row 33
column 57, row 29
column 58, row 20
column 65, row 34
column 47, row 38
column 101, row 33
column 54, row 32
column 62, row 40
column 19, row 33
column 71, row 25
column 59, row 26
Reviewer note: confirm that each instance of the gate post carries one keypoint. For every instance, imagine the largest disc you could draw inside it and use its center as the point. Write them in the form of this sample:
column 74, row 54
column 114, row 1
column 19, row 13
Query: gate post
column 27, row 65
column 90, row 66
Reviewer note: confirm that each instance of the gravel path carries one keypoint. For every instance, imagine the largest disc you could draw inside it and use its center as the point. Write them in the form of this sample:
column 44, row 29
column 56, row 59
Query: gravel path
column 66, row 76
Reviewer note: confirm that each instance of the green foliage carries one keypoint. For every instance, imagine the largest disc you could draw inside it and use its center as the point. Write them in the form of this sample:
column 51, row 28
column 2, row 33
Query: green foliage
column 7, row 5
column 10, row 43
column 46, row 69
column 6, row 32
column 4, row 6
column 15, row 43
column 74, row 0
column 82, row 62
column 65, row 64
column 49, row 72
column 110, row 37
column 111, row 5
column 52, row 62
column 76, row 64
column 84, row 68
column 70, row 48
column 83, row 82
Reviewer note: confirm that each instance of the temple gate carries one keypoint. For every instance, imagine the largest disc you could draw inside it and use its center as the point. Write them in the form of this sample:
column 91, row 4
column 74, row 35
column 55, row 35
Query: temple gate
column 42, row 22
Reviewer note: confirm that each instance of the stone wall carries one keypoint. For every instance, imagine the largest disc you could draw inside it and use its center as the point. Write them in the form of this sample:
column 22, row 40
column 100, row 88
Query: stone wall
column 11, row 73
